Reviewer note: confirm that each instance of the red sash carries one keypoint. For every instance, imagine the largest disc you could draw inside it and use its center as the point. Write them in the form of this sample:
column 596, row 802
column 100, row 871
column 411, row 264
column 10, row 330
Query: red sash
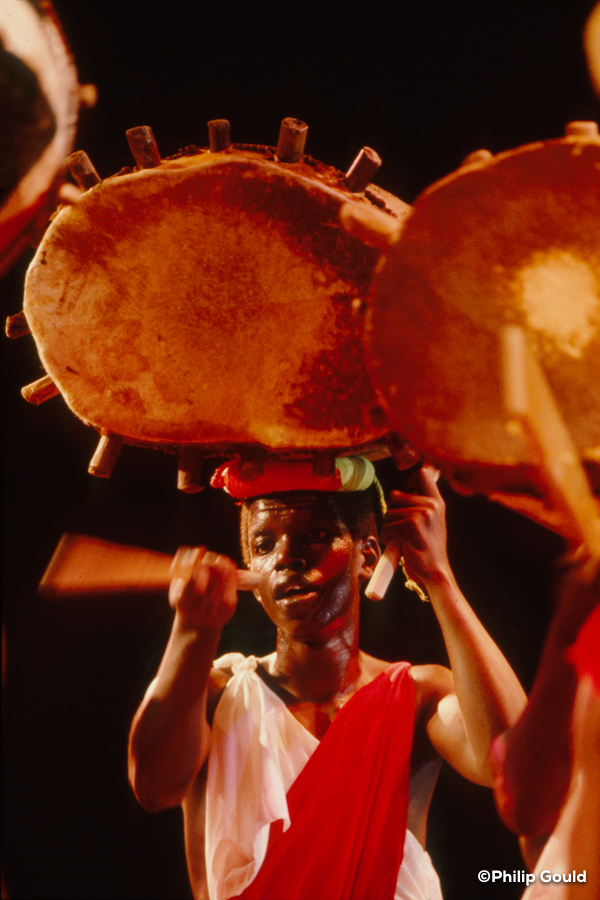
column 349, row 805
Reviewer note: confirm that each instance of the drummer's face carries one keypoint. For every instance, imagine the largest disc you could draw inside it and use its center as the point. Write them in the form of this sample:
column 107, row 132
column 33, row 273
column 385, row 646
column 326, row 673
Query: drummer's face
column 312, row 565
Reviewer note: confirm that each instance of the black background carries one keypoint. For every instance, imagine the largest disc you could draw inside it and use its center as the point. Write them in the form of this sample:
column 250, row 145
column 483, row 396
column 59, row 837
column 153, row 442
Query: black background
column 424, row 83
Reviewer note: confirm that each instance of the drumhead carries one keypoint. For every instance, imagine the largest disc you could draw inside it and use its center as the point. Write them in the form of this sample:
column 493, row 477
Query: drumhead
column 515, row 239
column 214, row 300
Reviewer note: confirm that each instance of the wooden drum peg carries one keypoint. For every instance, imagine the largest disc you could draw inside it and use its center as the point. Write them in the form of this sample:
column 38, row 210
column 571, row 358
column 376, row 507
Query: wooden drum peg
column 39, row 391
column 365, row 222
column 477, row 156
column 219, row 135
column 360, row 173
column 16, row 326
column 582, row 129
column 292, row 138
column 189, row 474
column 104, row 459
column 82, row 170
column 68, row 194
column 143, row 146
column 403, row 453
column 88, row 95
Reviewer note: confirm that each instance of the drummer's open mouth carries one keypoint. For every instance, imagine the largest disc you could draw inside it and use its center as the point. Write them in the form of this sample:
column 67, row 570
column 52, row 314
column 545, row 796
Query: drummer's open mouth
column 298, row 590
column 297, row 604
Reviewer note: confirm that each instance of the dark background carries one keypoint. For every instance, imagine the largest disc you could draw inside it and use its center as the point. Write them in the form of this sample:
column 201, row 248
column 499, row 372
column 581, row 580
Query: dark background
column 422, row 82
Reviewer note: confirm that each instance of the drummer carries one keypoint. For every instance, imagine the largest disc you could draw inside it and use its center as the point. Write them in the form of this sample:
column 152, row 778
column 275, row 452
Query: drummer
column 552, row 800
column 321, row 759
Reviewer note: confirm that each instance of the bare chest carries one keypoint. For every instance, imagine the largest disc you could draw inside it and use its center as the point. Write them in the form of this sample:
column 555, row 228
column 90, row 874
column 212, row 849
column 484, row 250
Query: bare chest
column 316, row 717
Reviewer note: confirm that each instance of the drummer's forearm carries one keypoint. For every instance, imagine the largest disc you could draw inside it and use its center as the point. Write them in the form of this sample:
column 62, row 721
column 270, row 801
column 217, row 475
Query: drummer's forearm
column 537, row 781
column 170, row 737
column 489, row 694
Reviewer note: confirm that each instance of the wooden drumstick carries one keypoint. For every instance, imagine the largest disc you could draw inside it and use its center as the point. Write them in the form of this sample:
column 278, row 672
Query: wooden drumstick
column 90, row 566
column 390, row 559
column 529, row 402
column 384, row 571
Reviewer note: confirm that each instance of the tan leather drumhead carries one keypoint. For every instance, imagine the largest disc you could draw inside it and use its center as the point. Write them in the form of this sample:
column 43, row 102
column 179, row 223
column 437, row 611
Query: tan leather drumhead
column 513, row 240
column 39, row 103
column 212, row 300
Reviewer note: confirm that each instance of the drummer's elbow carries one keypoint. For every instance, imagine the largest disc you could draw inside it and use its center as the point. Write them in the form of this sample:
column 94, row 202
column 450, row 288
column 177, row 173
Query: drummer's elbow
column 151, row 794
column 161, row 780
column 530, row 820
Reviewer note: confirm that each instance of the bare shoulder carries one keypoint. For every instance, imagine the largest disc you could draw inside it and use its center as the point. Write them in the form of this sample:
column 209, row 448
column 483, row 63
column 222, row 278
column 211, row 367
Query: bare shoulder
column 217, row 682
column 439, row 721
column 371, row 667
column 218, row 678
column 432, row 683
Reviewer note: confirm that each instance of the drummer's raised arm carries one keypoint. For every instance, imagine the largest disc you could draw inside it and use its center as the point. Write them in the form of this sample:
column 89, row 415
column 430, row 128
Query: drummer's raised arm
column 170, row 736
column 485, row 696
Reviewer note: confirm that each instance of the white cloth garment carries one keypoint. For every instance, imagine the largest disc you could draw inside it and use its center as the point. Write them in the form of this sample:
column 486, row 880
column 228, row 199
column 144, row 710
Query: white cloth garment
column 258, row 749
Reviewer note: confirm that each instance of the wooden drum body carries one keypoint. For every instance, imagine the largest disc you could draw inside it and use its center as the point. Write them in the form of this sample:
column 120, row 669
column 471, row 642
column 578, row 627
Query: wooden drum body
column 211, row 302
column 511, row 239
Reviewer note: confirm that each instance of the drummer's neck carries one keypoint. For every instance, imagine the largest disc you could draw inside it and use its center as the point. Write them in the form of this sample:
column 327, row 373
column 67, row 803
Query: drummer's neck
column 319, row 670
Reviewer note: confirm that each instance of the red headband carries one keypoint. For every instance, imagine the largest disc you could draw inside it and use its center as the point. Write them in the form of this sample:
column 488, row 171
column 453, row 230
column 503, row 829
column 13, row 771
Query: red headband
column 277, row 476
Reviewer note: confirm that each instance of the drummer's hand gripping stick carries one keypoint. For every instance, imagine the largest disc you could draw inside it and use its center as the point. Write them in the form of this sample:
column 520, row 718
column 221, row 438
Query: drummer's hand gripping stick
column 389, row 561
column 90, row 566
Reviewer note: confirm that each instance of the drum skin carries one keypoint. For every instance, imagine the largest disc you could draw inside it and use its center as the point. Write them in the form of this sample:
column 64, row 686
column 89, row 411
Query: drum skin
column 40, row 104
column 515, row 239
column 214, row 301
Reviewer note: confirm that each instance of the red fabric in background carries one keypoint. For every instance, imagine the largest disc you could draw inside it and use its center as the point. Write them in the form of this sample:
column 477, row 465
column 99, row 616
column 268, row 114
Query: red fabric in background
column 585, row 652
column 349, row 805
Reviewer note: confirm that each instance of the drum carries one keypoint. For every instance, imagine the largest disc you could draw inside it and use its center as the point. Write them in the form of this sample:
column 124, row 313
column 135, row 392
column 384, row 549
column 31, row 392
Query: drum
column 510, row 239
column 211, row 303
column 591, row 43
column 40, row 103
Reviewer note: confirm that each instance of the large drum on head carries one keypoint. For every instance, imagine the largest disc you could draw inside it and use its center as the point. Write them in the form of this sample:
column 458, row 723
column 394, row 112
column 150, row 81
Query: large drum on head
column 212, row 301
column 510, row 239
